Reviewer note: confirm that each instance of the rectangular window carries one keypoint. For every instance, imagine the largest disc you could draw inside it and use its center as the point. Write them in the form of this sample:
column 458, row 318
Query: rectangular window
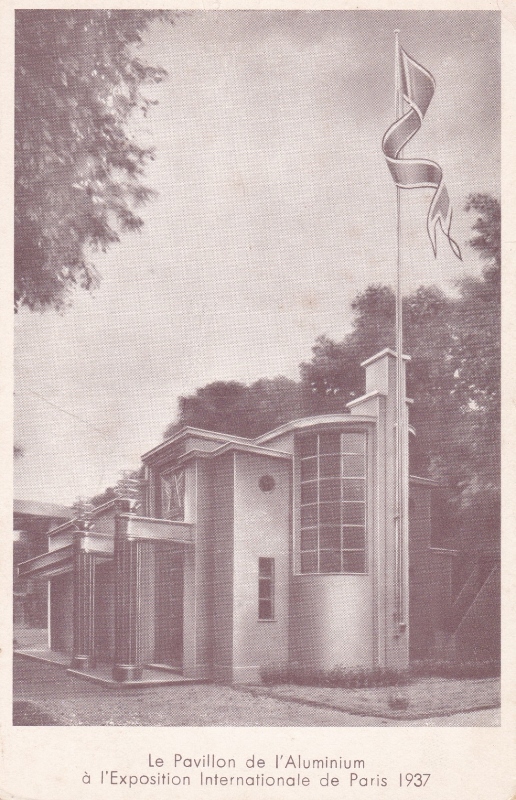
column 265, row 588
column 333, row 502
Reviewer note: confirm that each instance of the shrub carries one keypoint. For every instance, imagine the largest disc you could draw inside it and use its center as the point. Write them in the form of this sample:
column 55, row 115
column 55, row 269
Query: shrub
column 363, row 678
column 342, row 677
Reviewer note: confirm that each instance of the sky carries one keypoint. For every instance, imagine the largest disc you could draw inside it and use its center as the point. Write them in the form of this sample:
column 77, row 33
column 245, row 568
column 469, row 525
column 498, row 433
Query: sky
column 274, row 207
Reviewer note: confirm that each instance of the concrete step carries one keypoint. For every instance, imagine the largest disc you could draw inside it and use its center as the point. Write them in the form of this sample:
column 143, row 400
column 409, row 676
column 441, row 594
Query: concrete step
column 163, row 668
column 102, row 674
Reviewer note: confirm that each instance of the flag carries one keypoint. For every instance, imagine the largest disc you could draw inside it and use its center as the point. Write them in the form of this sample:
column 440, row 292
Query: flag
column 417, row 87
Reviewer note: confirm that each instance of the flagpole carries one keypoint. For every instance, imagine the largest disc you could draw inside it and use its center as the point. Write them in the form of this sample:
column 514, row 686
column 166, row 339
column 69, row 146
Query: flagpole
column 400, row 400
column 414, row 89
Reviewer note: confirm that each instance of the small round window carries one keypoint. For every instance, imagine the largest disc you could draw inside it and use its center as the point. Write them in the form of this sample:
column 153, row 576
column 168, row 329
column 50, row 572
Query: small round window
column 266, row 483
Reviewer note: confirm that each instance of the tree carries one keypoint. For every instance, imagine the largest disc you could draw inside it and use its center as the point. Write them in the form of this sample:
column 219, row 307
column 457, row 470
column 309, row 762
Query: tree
column 240, row 410
column 78, row 80
column 476, row 364
column 104, row 497
column 476, row 356
column 454, row 375
column 334, row 377
column 488, row 226
column 110, row 492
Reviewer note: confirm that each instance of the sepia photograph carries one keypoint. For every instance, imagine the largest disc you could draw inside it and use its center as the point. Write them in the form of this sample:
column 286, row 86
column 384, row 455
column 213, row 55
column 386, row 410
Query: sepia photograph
column 257, row 384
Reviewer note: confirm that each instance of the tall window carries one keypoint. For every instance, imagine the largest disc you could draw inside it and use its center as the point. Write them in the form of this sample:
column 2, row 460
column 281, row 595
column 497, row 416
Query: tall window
column 265, row 588
column 333, row 502
column 173, row 494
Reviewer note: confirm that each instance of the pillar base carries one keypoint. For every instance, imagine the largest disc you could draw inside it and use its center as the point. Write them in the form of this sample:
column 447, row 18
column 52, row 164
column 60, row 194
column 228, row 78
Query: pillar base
column 127, row 672
column 82, row 662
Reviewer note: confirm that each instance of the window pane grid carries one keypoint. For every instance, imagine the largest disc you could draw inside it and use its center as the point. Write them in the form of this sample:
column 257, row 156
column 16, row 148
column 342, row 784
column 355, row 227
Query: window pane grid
column 333, row 503
column 265, row 588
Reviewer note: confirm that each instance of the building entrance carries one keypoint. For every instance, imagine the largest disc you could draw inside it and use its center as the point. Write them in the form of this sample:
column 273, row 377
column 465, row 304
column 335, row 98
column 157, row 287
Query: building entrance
column 168, row 599
column 104, row 613
column 61, row 620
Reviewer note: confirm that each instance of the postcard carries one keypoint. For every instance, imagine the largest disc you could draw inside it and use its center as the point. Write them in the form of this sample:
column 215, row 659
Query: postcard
column 258, row 543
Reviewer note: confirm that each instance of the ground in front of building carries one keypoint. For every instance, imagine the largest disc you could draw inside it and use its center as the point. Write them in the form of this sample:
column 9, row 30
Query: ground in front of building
column 44, row 694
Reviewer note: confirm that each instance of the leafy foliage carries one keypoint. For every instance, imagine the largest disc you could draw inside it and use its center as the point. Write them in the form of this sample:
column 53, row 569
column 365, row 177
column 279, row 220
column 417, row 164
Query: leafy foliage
column 240, row 410
column 110, row 493
column 477, row 375
column 78, row 80
column 361, row 677
column 488, row 225
column 453, row 378
column 337, row 677
column 104, row 497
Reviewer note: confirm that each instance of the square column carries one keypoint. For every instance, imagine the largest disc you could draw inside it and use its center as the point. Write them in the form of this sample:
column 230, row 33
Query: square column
column 390, row 561
column 128, row 580
column 84, row 563
column 83, row 606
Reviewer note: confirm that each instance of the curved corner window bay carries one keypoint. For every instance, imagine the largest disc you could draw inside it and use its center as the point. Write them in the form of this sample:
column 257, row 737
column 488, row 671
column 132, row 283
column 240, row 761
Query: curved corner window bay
column 333, row 502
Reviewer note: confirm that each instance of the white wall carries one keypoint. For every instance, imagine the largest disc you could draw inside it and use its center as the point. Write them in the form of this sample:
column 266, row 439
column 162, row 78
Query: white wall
column 261, row 530
column 331, row 621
